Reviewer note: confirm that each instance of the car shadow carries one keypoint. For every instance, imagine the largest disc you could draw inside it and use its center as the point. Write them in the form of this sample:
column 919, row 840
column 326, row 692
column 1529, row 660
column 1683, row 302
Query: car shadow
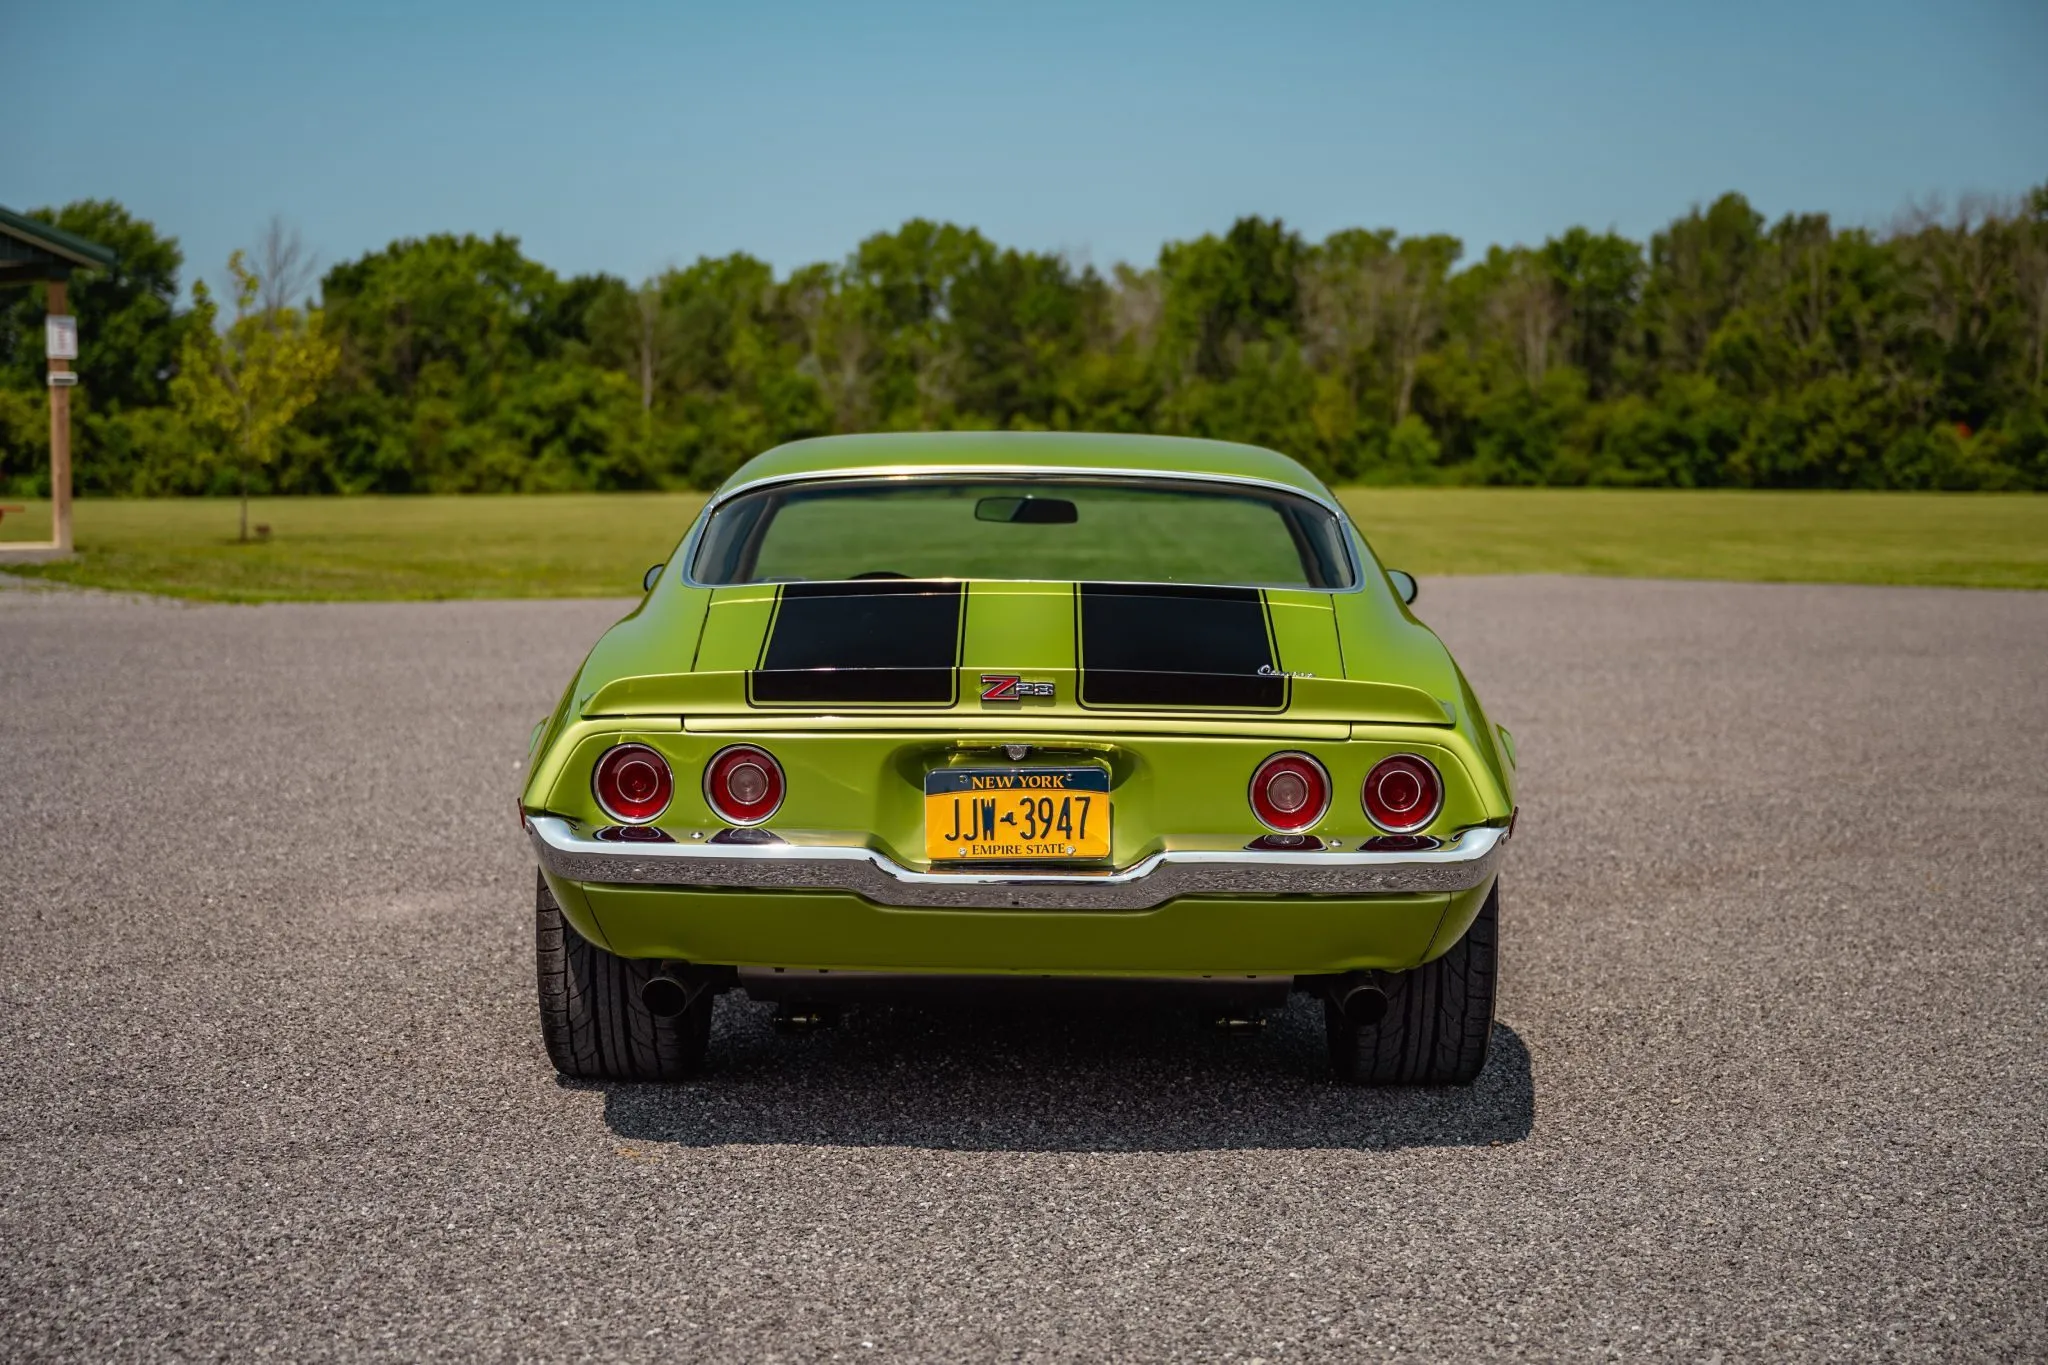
column 1074, row 1080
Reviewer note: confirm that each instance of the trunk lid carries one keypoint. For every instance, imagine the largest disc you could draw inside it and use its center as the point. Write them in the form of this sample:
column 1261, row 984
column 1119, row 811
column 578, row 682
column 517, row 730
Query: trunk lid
column 1017, row 655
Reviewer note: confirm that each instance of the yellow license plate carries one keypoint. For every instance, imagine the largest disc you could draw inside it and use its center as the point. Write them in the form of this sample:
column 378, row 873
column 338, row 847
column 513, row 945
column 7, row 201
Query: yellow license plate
column 1012, row 814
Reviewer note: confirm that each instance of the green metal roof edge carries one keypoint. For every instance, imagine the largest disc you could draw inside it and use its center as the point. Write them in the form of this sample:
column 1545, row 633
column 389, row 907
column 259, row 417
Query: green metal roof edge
column 56, row 241
column 1076, row 452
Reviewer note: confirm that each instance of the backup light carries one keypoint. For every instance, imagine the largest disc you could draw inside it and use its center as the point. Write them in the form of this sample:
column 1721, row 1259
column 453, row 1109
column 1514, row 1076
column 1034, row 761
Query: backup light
column 743, row 784
column 1290, row 792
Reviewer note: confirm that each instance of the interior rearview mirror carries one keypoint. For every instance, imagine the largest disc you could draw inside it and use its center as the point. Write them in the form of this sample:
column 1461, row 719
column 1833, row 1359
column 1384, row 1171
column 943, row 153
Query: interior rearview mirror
column 647, row 579
column 1404, row 583
column 1027, row 511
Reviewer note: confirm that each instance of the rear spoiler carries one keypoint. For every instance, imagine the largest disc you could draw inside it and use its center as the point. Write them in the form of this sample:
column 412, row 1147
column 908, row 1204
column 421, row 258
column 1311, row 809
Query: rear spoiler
column 1328, row 700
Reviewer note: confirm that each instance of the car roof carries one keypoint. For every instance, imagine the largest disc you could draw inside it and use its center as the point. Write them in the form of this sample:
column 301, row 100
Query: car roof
column 1013, row 451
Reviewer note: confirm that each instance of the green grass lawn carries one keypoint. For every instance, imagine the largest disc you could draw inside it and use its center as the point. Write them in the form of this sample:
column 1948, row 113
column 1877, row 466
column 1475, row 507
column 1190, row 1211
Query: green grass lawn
column 571, row 545
column 1971, row 540
column 577, row 545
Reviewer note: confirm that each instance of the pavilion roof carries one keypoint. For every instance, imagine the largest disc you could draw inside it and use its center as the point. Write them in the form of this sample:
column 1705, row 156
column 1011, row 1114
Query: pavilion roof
column 33, row 250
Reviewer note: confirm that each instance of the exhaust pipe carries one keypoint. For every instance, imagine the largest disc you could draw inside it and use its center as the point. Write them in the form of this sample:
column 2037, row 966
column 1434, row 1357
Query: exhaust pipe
column 665, row 997
column 1362, row 1002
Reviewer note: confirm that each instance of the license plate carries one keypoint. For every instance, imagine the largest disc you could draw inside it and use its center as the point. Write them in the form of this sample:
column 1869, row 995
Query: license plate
column 1012, row 814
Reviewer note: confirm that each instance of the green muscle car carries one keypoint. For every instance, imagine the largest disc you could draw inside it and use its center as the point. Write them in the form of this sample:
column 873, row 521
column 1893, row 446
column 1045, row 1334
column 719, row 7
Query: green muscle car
column 914, row 712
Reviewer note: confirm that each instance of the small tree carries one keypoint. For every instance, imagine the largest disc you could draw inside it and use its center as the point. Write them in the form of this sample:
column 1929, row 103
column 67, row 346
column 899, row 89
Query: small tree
column 243, row 385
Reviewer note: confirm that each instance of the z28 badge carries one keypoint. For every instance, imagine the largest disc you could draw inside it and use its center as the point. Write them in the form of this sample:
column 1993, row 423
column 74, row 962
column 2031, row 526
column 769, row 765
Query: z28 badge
column 1010, row 687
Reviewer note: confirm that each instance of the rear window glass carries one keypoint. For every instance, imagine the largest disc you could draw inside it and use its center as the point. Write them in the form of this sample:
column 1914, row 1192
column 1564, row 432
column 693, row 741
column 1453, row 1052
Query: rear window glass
column 1085, row 530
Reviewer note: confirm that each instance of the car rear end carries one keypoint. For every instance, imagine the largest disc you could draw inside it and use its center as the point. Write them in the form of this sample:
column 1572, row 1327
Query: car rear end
column 807, row 771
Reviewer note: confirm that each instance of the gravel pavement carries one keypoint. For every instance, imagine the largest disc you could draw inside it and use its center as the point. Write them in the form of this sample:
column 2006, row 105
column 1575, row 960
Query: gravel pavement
column 1769, row 1081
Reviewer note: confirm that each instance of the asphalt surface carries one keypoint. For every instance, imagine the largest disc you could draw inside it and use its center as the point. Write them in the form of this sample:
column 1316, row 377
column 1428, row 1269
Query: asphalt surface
column 1769, row 1080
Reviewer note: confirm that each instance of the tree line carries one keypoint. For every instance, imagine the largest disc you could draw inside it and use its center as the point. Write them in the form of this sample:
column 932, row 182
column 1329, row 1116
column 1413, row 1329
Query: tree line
column 1727, row 351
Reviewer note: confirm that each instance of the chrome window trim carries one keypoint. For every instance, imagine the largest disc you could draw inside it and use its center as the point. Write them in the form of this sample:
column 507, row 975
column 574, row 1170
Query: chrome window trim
column 688, row 553
column 1466, row 860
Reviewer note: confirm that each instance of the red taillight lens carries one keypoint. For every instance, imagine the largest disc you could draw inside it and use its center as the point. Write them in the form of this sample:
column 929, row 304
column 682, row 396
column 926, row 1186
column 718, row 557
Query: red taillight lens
column 1403, row 793
column 743, row 784
column 1290, row 792
column 633, row 783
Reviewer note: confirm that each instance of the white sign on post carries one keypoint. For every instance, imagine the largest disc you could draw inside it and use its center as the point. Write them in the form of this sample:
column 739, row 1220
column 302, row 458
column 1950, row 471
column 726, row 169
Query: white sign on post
column 60, row 337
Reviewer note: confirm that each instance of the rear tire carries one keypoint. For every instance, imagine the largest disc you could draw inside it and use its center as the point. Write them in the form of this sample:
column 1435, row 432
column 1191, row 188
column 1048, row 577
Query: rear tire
column 1439, row 1019
column 591, row 1015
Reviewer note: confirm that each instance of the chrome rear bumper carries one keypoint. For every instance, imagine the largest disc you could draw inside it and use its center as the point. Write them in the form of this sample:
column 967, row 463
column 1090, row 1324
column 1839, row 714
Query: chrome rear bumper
column 1463, row 862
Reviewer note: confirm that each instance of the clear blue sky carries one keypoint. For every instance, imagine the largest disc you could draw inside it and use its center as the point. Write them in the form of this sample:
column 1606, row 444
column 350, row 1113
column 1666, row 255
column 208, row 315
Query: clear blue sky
column 627, row 137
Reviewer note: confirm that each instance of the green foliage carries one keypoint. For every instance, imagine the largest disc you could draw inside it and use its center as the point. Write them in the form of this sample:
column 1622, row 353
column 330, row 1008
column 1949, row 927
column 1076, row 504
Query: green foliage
column 241, row 387
column 1727, row 351
column 128, row 344
column 24, row 443
column 129, row 335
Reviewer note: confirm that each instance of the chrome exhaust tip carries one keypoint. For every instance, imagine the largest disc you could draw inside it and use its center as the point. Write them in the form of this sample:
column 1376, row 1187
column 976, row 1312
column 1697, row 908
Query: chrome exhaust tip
column 1364, row 1004
column 665, row 997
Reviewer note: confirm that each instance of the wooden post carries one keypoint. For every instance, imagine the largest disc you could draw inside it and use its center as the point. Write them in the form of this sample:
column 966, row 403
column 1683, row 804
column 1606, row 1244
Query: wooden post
column 60, row 437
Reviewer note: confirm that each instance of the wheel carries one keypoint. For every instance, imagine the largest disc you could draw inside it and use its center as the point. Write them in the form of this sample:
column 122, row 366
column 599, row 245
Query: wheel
column 1438, row 1019
column 591, row 1014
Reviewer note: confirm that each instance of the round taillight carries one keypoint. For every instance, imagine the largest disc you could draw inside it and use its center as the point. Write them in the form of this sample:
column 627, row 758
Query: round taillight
column 743, row 784
column 1403, row 793
column 632, row 783
column 1290, row 792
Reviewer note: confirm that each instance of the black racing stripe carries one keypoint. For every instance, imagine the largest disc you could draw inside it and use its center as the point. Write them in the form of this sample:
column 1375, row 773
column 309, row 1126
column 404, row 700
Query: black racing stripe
column 1172, row 645
column 874, row 641
column 854, row 686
